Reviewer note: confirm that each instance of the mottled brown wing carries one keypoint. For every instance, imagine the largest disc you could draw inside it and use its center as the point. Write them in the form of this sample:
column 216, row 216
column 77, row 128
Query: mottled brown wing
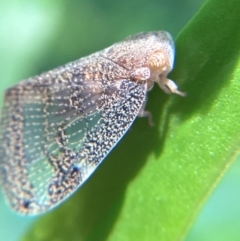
column 53, row 136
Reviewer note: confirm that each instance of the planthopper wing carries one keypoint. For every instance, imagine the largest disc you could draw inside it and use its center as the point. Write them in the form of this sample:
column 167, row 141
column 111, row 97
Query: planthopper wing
column 56, row 129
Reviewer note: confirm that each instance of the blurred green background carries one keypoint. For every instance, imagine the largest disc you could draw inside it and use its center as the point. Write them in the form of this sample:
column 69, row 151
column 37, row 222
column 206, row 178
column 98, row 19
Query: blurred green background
column 36, row 36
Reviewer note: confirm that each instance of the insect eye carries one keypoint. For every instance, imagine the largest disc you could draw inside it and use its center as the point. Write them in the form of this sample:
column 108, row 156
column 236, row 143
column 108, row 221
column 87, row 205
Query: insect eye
column 158, row 61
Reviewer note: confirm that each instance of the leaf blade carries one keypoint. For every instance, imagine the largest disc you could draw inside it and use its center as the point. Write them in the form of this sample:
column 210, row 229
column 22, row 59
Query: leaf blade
column 139, row 210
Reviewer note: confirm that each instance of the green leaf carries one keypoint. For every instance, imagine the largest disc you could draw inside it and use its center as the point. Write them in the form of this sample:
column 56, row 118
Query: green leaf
column 153, row 184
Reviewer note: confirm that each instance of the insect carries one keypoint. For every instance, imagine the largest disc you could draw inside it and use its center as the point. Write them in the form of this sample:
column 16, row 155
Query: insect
column 57, row 127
